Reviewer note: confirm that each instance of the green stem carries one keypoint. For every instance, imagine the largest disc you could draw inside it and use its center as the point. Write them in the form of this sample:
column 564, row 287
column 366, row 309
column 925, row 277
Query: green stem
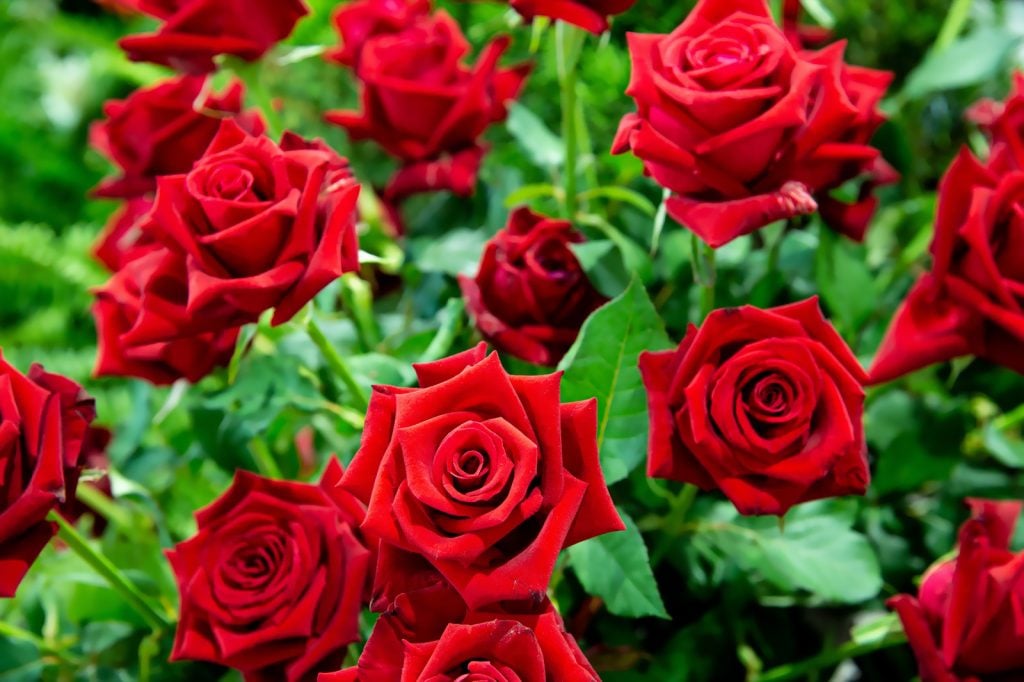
column 109, row 572
column 337, row 363
column 98, row 501
column 252, row 74
column 46, row 648
column 827, row 659
column 704, row 274
column 675, row 521
column 451, row 326
column 568, row 40
column 264, row 458
column 956, row 18
column 358, row 298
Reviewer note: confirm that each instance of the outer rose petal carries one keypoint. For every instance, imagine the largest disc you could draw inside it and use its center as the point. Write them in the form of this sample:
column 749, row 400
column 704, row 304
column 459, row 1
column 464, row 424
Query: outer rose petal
column 18, row 555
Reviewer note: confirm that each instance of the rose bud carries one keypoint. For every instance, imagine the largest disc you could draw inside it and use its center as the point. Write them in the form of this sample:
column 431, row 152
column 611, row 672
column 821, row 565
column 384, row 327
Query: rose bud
column 162, row 130
column 272, row 583
column 971, row 301
column 764, row 405
column 531, row 296
column 965, row 624
column 195, row 31
column 44, row 419
column 745, row 129
column 590, row 15
column 479, row 476
column 357, row 22
column 426, row 108
column 123, row 240
column 140, row 314
column 260, row 226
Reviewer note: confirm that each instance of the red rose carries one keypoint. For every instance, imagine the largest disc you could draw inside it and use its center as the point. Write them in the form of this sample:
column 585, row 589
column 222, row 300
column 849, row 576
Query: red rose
column 357, row 22
column 965, row 625
column 485, row 476
column 765, row 405
column 44, row 419
column 140, row 321
column 744, row 128
column 1003, row 124
column 590, row 15
column 196, row 31
column 972, row 301
column 424, row 106
column 162, row 130
column 531, row 296
column 272, row 583
column 123, row 240
column 261, row 226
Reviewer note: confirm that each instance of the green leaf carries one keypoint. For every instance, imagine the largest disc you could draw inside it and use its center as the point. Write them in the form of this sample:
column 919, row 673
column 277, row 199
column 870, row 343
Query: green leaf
column 616, row 568
column 543, row 147
column 623, row 194
column 457, row 252
column 1006, row 448
column 845, row 283
column 975, row 58
column 603, row 364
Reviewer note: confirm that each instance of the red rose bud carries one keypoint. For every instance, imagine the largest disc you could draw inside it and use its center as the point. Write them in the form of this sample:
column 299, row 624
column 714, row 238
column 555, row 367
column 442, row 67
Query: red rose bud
column 971, row 301
column 260, row 226
column 44, row 419
column 745, row 129
column 195, row 31
column 142, row 322
column 162, row 130
column 123, row 240
column 272, row 583
column 480, row 477
column 590, row 15
column 965, row 624
column 357, row 22
column 487, row 646
column 764, row 405
column 427, row 108
column 531, row 296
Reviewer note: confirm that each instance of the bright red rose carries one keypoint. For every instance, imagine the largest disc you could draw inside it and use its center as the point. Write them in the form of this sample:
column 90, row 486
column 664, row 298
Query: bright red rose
column 162, row 130
column 480, row 476
column 272, row 583
column 196, row 31
column 426, row 107
column 357, row 22
column 590, row 15
column 972, row 301
column 744, row 128
column 966, row 624
column 123, row 240
column 531, row 296
column 764, row 405
column 44, row 419
column 260, row 226
column 142, row 323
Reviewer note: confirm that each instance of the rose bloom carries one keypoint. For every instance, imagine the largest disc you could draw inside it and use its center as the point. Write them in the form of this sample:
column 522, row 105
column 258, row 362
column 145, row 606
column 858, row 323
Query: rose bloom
column 972, row 300
column 590, row 15
column 530, row 296
column 965, row 624
column 357, row 22
column 142, row 322
column 44, row 419
column 162, row 130
column 426, row 107
column 272, row 584
column 479, row 476
column 764, row 405
column 122, row 239
column 260, row 226
column 193, row 32
column 745, row 129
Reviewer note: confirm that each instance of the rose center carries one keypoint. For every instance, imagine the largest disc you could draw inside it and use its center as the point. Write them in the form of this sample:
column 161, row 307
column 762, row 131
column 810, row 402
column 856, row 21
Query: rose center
column 231, row 183
column 468, row 469
column 770, row 397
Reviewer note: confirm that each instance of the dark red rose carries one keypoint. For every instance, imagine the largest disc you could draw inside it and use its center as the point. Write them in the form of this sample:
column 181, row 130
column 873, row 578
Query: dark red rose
column 590, row 15
column 531, row 296
column 764, row 405
column 260, row 226
column 426, row 107
column 480, row 476
column 196, row 31
column 744, row 128
column 272, row 583
column 965, row 624
column 44, row 419
column 486, row 646
column 123, row 240
column 357, row 22
column 972, row 301
column 162, row 130
column 94, row 456
column 140, row 317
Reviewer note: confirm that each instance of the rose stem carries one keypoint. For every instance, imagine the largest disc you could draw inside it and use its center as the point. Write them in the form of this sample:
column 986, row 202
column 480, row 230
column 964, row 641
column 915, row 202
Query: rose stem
column 45, row 648
column 704, row 274
column 336, row 363
column 568, row 41
column 109, row 572
column 828, row 658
